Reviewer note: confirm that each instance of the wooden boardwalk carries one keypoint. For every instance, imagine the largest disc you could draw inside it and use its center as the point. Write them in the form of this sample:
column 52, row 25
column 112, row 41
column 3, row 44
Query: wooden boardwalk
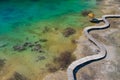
column 76, row 65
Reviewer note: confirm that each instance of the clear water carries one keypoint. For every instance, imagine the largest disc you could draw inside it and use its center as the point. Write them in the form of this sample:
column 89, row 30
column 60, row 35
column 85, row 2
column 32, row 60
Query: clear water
column 14, row 14
column 24, row 21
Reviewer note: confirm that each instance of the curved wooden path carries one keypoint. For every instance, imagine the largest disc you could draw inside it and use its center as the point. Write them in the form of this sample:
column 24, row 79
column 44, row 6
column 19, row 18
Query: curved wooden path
column 76, row 65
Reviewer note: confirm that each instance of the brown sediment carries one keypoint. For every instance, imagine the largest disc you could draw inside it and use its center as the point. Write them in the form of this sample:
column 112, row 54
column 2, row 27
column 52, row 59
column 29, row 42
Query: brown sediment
column 54, row 45
column 77, row 51
column 108, row 68
column 31, row 64
column 18, row 76
column 69, row 31
column 2, row 63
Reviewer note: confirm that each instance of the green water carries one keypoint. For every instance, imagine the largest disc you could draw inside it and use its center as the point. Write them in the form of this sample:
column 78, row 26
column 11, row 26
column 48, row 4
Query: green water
column 14, row 15
column 25, row 21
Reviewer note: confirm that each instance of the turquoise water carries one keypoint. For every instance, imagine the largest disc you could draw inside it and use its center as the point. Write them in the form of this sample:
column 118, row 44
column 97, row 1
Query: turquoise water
column 31, row 20
column 15, row 14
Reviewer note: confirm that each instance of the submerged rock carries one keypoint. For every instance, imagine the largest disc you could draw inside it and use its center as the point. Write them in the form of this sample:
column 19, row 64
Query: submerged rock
column 18, row 48
column 46, row 29
column 28, row 44
column 2, row 62
column 43, row 40
column 40, row 58
column 18, row 76
column 37, row 47
column 68, row 31
column 33, row 46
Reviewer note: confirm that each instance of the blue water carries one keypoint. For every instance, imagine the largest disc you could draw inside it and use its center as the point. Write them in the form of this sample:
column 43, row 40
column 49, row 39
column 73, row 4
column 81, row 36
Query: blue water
column 24, row 21
column 16, row 14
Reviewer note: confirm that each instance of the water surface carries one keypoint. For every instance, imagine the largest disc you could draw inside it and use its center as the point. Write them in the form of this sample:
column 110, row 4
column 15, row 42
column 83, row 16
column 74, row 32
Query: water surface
column 25, row 21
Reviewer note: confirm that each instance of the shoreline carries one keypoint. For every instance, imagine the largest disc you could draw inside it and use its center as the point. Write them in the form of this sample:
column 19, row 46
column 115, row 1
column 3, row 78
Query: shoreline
column 96, row 71
column 21, row 62
column 78, row 55
column 101, row 72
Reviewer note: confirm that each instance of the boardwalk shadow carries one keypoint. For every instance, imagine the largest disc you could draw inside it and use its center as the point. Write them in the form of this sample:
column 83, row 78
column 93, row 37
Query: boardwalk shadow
column 84, row 64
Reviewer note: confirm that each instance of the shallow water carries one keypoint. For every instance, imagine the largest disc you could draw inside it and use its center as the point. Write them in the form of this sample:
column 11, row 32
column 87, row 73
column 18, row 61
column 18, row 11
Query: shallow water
column 26, row 21
column 13, row 14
